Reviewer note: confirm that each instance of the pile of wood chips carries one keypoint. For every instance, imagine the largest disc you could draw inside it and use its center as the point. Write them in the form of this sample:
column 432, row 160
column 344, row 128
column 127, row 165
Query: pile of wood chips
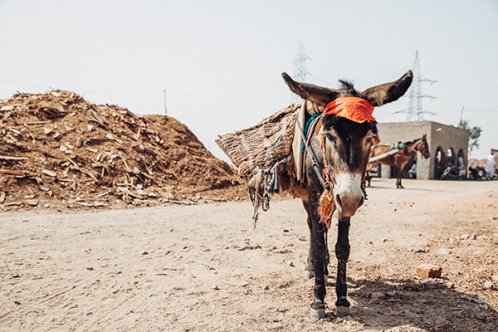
column 58, row 150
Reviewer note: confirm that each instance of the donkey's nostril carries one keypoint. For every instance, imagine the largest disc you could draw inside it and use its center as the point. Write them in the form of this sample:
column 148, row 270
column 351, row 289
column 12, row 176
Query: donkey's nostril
column 362, row 200
column 338, row 200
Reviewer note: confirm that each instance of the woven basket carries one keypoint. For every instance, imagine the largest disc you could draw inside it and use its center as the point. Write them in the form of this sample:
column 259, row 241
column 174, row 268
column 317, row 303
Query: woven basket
column 262, row 145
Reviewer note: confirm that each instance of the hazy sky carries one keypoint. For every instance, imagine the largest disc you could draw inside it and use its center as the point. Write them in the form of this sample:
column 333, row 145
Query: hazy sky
column 220, row 61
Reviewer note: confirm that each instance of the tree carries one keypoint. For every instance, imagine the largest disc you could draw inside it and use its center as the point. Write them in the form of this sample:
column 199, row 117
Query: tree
column 474, row 133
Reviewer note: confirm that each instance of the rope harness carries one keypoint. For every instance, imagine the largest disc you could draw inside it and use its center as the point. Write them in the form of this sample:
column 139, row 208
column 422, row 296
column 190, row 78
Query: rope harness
column 326, row 203
column 314, row 160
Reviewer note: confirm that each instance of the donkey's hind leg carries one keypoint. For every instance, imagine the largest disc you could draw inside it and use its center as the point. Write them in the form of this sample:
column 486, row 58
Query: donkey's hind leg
column 368, row 179
column 308, row 271
column 400, row 173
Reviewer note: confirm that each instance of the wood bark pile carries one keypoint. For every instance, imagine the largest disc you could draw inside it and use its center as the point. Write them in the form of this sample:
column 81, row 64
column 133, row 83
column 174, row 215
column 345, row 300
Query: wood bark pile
column 57, row 149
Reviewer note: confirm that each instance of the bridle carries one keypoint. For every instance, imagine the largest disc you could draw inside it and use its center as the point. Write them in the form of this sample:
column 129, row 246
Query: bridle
column 326, row 206
column 415, row 145
column 354, row 109
column 418, row 145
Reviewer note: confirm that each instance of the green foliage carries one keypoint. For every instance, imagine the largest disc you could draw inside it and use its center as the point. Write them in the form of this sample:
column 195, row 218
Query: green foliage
column 474, row 133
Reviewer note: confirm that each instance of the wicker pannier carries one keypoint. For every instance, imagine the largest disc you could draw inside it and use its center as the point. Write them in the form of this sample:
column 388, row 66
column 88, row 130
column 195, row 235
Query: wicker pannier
column 262, row 145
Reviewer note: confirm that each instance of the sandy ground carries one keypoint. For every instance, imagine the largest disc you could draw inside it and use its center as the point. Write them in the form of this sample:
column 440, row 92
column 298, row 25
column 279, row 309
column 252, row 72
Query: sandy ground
column 204, row 268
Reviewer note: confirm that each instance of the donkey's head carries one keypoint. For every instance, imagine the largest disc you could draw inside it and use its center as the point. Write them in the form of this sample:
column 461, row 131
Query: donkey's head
column 346, row 142
column 423, row 147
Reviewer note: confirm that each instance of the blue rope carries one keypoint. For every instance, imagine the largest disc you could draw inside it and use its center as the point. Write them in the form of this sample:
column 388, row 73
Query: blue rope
column 307, row 127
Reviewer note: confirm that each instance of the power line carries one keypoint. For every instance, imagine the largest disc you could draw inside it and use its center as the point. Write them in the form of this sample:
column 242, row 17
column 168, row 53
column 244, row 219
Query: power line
column 25, row 84
column 324, row 81
column 484, row 111
column 79, row 90
column 466, row 76
column 324, row 67
column 149, row 91
column 471, row 94
column 481, row 110
column 469, row 55
column 119, row 91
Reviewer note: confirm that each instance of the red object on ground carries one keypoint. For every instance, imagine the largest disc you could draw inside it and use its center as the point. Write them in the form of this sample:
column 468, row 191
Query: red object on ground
column 429, row 271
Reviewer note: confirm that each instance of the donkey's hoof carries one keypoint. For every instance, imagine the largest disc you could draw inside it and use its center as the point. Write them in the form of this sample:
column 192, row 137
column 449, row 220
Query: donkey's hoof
column 309, row 274
column 341, row 311
column 317, row 313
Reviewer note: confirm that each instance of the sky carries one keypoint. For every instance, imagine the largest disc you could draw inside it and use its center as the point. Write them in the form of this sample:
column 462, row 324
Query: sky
column 220, row 61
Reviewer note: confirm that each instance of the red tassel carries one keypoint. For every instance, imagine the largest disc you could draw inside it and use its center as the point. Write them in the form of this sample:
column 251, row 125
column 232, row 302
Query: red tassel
column 326, row 207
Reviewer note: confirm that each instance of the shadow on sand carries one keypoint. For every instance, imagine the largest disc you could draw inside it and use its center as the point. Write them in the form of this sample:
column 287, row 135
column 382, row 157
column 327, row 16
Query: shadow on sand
column 433, row 306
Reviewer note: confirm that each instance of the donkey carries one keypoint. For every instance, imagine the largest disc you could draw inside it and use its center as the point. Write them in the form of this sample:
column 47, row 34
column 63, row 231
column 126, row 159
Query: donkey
column 401, row 159
column 341, row 148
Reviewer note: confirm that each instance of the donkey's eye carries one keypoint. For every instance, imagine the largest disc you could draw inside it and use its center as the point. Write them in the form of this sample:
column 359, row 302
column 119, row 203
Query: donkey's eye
column 331, row 138
column 369, row 139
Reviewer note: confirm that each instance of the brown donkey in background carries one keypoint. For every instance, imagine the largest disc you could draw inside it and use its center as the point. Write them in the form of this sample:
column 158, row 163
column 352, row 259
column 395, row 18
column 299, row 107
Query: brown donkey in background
column 342, row 149
column 401, row 159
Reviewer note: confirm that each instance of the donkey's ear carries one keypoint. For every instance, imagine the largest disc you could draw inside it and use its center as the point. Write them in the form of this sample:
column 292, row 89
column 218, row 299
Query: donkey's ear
column 385, row 93
column 316, row 94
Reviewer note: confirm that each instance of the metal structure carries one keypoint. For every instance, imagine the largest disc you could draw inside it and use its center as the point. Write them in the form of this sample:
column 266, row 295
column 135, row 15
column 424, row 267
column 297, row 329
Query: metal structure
column 300, row 68
column 415, row 111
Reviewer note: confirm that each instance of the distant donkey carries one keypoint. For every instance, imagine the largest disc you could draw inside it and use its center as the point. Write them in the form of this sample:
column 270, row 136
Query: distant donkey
column 400, row 160
column 341, row 145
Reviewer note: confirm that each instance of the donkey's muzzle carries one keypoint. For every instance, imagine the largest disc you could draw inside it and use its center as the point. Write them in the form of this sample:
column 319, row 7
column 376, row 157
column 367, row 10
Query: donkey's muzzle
column 348, row 205
column 348, row 194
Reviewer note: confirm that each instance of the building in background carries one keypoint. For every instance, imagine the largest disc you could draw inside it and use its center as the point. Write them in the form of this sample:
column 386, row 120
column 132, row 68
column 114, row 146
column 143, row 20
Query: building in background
column 446, row 144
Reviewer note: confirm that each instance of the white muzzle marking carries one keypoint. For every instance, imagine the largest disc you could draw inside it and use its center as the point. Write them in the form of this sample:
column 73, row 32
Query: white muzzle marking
column 347, row 193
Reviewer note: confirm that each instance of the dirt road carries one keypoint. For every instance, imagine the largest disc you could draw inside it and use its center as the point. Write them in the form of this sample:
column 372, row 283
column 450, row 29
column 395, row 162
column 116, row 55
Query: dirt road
column 203, row 268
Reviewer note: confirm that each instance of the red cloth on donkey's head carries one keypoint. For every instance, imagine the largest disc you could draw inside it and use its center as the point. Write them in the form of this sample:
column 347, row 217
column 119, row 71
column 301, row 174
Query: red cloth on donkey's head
column 352, row 108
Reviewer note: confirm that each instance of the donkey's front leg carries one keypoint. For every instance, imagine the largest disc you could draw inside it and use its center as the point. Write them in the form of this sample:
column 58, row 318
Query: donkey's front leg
column 342, row 253
column 319, row 261
column 309, row 270
column 398, row 180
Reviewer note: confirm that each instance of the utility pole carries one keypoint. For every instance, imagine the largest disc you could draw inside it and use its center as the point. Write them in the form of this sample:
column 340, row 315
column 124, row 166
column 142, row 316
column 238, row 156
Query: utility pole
column 165, row 108
column 415, row 95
